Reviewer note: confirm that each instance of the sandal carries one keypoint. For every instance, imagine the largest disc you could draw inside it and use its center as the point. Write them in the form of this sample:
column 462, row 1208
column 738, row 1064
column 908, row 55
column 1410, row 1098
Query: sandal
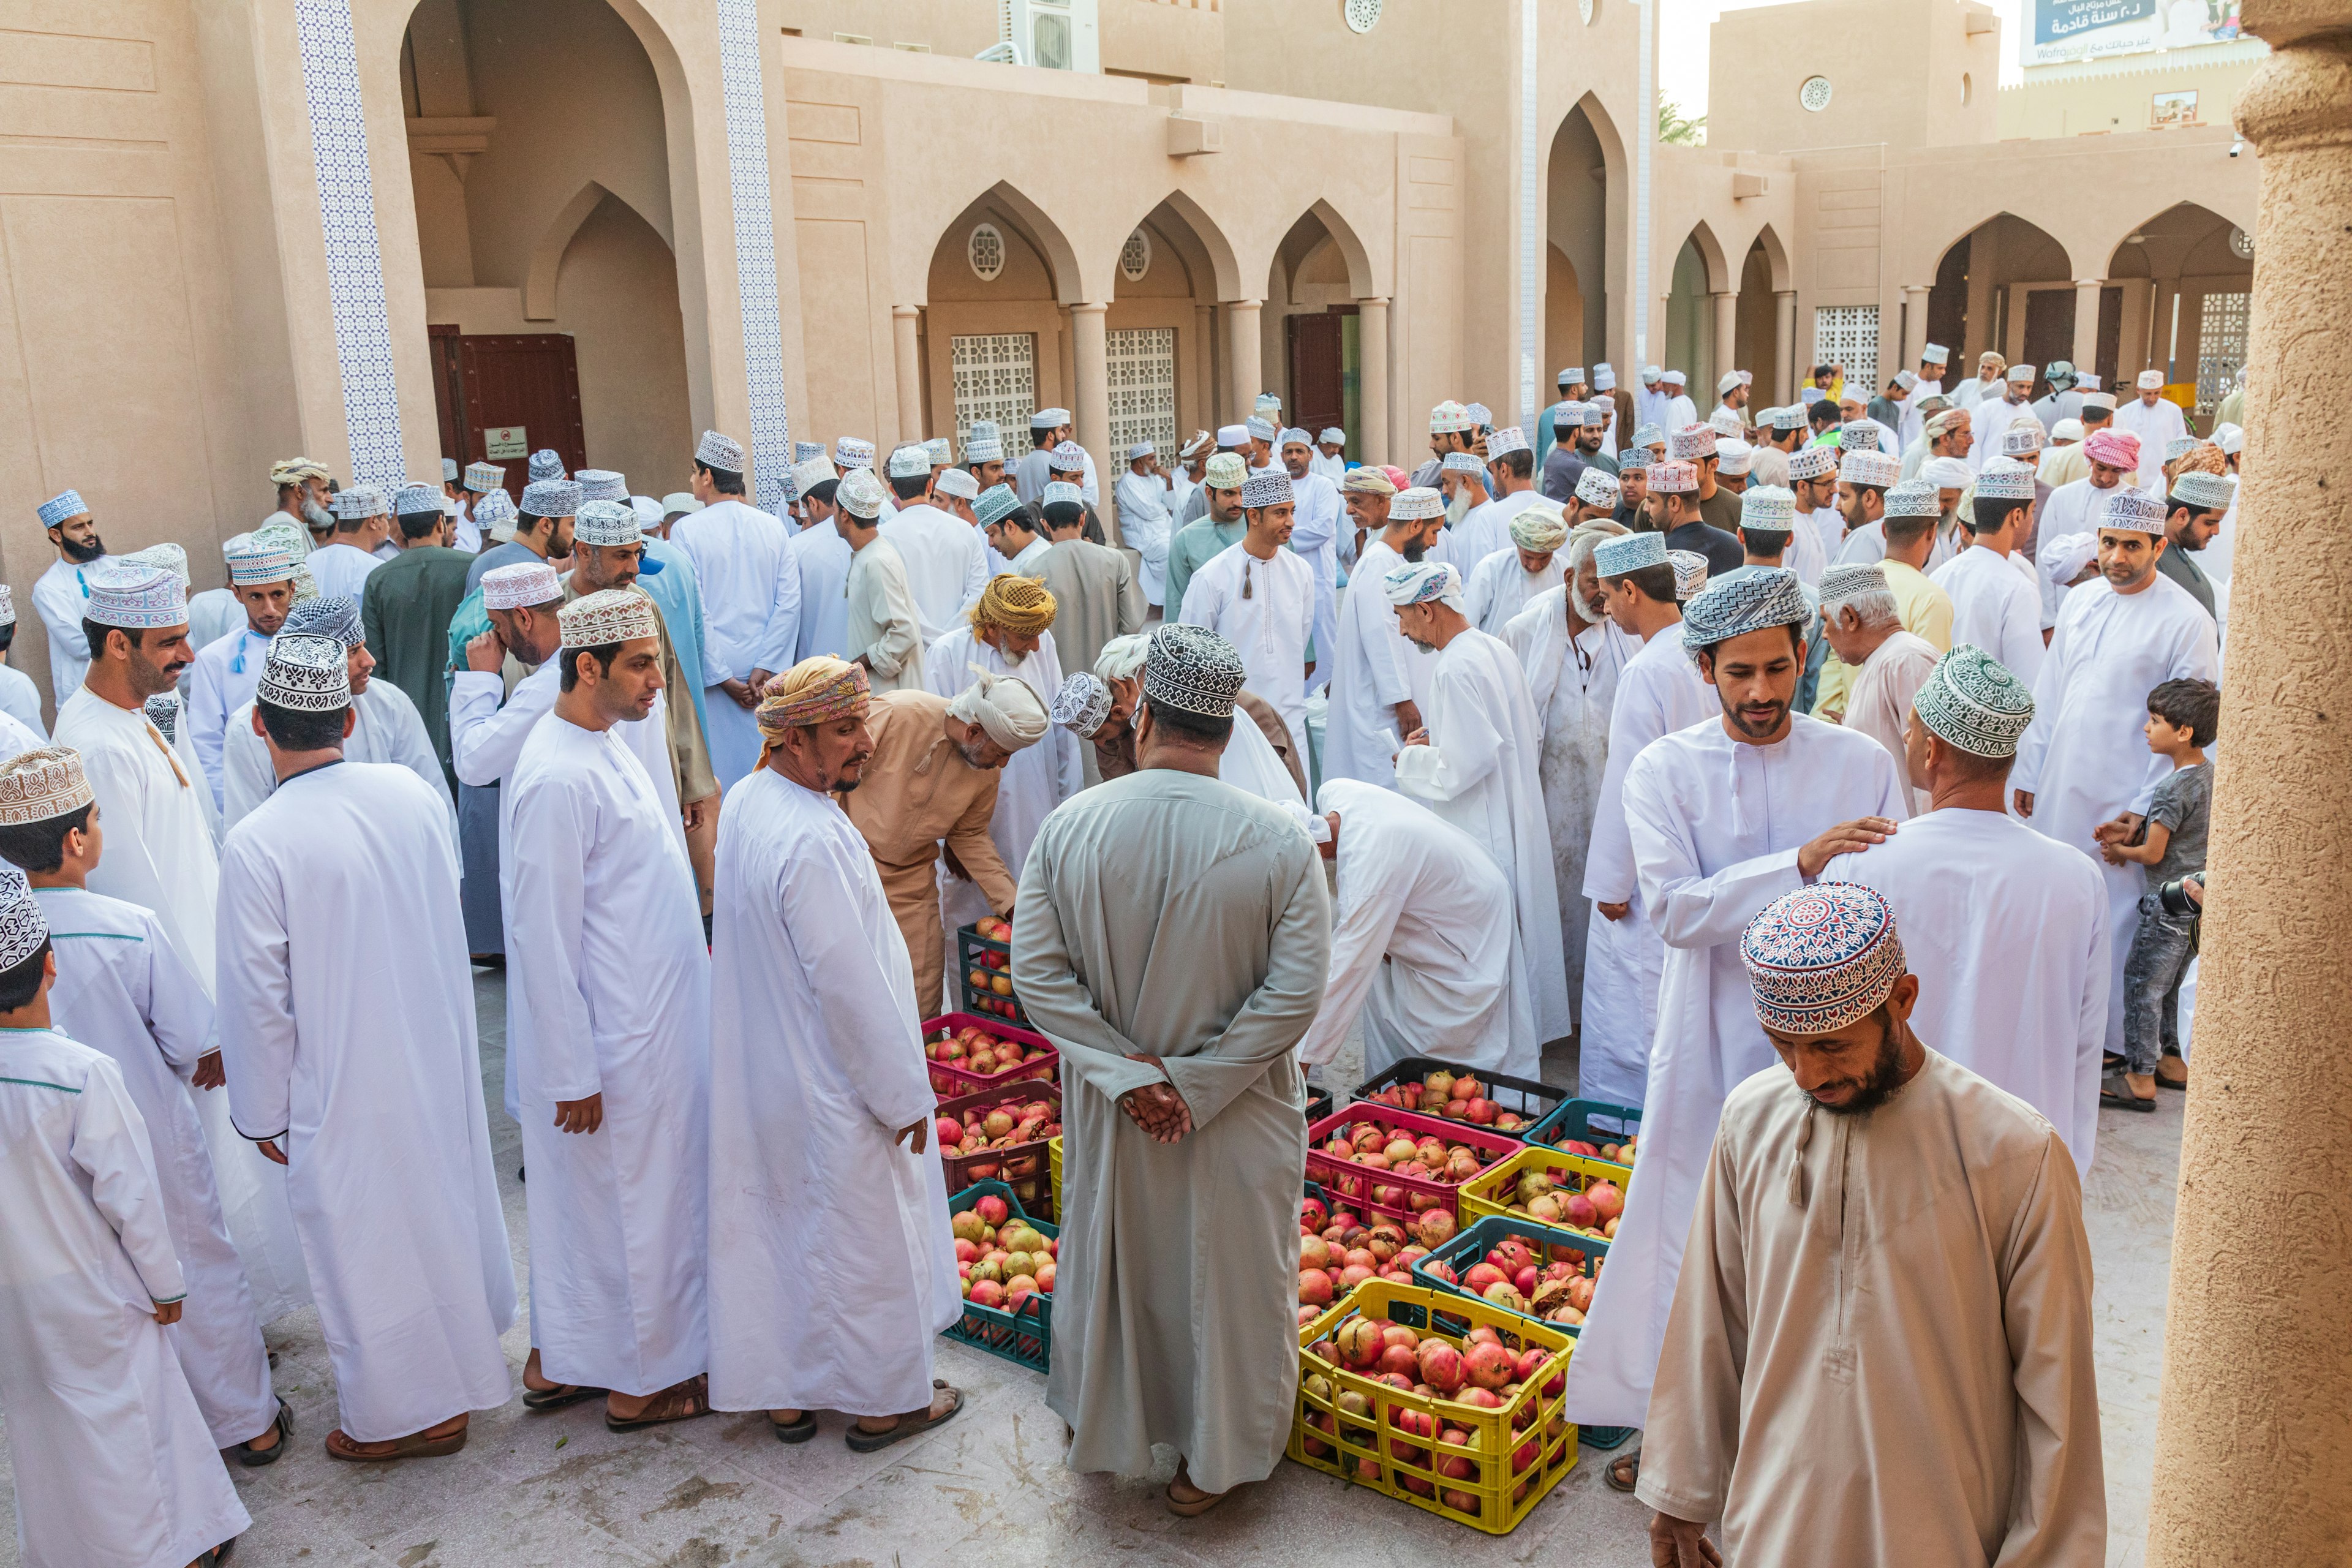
column 2115, row 1092
column 861, row 1441
column 1198, row 1506
column 1623, row 1472
column 214, row 1556
column 416, row 1445
column 2173, row 1083
column 561, row 1394
column 253, row 1458
column 799, row 1431
column 679, row 1402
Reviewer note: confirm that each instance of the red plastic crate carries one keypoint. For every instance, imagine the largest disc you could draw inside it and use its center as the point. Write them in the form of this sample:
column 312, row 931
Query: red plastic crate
column 1343, row 1178
column 1023, row 1167
column 952, row 1078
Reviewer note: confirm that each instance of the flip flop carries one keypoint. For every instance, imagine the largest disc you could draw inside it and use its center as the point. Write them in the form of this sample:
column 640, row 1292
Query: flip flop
column 561, row 1394
column 2164, row 1082
column 2125, row 1099
column 861, row 1441
column 1625, row 1465
column 252, row 1457
column 417, row 1445
column 214, row 1556
column 682, row 1402
column 799, row 1431
column 1196, row 1508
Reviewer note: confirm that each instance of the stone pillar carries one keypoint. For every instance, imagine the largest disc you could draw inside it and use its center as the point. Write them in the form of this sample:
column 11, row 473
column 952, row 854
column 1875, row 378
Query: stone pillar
column 1785, row 390
column 1915, row 328
column 1372, row 379
column 905, row 320
column 1090, row 399
column 2262, row 1247
column 2086, row 324
column 1726, row 348
column 1204, row 357
column 1245, row 357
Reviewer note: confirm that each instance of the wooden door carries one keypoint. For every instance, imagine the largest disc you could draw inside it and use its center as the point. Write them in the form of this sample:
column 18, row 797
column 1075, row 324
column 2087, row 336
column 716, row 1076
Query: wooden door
column 1319, row 398
column 2049, row 332
column 448, row 390
column 530, row 380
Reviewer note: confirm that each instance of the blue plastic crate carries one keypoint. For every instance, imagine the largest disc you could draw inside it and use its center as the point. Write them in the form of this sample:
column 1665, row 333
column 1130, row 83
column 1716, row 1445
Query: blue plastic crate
column 1024, row 1338
column 1595, row 1120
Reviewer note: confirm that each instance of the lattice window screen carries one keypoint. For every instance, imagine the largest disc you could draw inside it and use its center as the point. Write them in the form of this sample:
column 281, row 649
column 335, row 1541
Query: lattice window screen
column 1142, row 390
column 995, row 378
column 2221, row 349
column 1848, row 335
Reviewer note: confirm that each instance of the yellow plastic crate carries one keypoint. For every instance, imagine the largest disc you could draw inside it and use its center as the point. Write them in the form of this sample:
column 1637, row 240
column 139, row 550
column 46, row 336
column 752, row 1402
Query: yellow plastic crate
column 1488, row 1193
column 1054, row 1149
column 1373, row 1451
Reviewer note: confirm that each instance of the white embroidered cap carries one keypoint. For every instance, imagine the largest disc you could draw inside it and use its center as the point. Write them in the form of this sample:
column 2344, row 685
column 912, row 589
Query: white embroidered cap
column 608, row 615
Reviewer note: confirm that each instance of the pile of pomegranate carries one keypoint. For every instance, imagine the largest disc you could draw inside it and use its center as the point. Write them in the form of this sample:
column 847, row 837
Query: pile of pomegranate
column 991, row 982
column 1001, row 1261
column 1515, row 1277
column 1428, row 1157
column 1480, row 1372
column 1457, row 1099
column 1615, row 1153
column 974, row 1050
column 1005, row 1126
column 1550, row 1200
column 1338, row 1251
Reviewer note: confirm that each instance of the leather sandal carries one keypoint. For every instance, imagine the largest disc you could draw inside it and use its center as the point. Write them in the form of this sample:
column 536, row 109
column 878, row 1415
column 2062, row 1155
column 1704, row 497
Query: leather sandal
column 861, row 1441
column 416, row 1445
column 1623, row 1472
column 561, row 1394
column 680, row 1402
column 252, row 1457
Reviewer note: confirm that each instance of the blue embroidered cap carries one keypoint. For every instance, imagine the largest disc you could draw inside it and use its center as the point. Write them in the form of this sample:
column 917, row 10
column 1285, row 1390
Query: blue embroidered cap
column 61, row 508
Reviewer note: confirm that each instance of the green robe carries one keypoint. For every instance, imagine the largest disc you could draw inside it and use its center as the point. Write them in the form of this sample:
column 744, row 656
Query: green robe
column 1195, row 544
column 404, row 612
column 1171, row 915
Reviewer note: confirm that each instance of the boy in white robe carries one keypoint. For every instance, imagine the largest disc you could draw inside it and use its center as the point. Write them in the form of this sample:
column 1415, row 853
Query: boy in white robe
column 21, row 699
column 1422, row 945
column 1377, row 679
column 1725, row 817
column 113, row 1463
column 885, row 630
column 1473, row 763
column 819, row 1130
column 123, row 988
column 1260, row 597
column 2019, row 993
column 1880, row 1346
column 360, row 1076
column 1659, row 691
column 750, row 599
column 1499, row 587
column 2084, row 763
column 609, row 1025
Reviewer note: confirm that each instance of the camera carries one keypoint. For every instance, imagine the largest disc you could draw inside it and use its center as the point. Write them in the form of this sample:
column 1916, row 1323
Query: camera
column 2174, row 896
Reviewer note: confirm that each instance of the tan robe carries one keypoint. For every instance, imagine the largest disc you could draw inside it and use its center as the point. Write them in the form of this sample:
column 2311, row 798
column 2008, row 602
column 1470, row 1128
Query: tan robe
column 1880, row 1348
column 689, row 751
column 919, row 794
column 1096, row 598
column 1171, row 915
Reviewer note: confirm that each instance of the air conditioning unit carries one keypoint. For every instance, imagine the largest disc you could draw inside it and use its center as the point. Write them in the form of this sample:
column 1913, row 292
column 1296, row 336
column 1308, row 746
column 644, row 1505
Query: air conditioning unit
column 1059, row 35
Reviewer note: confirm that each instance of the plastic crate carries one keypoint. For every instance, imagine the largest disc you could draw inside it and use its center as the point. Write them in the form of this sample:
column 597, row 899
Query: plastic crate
column 1023, row 1167
column 1026, row 1337
column 1346, row 1180
column 1488, row 1193
column 954, row 1079
column 1596, row 1122
column 1523, row 1096
column 1320, row 1104
column 1481, row 1238
column 1373, row 1451
column 1054, row 1157
column 975, row 952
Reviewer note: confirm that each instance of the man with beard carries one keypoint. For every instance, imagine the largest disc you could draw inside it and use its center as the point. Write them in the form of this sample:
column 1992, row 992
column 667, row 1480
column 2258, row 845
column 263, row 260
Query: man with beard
column 305, row 504
column 2197, row 502
column 261, row 572
column 64, row 589
column 1260, row 599
column 1724, row 818
column 1377, row 681
column 1896, row 1291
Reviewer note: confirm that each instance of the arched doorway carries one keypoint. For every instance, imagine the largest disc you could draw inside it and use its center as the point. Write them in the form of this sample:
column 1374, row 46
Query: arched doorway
column 1582, row 222
column 1691, row 336
column 2007, row 287
column 1163, row 337
column 1311, row 338
column 2184, row 279
column 1756, row 336
column 997, row 343
column 540, row 163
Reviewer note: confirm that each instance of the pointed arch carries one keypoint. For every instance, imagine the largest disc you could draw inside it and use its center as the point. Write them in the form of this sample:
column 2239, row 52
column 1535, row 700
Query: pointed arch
column 1721, row 279
column 1006, row 201
column 1351, row 249
column 1776, row 255
column 547, row 252
column 1225, row 270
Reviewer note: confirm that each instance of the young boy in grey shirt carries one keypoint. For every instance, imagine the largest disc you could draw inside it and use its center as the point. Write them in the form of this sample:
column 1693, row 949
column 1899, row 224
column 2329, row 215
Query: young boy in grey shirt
column 2182, row 717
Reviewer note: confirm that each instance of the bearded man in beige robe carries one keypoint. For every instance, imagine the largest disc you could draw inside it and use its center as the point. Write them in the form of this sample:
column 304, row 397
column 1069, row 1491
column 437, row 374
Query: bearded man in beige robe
column 1172, row 939
column 1880, row 1347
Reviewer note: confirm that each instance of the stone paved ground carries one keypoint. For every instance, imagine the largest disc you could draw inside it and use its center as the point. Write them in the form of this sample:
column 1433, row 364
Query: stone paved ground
column 559, row 1491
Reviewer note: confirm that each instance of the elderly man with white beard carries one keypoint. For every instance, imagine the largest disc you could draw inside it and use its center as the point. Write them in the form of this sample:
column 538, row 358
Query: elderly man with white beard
column 1725, row 817
column 1473, row 763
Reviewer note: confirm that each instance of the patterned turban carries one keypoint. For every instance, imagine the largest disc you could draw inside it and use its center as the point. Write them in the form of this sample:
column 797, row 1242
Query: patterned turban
column 1821, row 958
column 2113, row 449
column 1420, row 582
column 337, row 617
column 1367, row 480
column 1742, row 605
column 1004, row 706
column 817, row 691
column 1012, row 602
column 1541, row 527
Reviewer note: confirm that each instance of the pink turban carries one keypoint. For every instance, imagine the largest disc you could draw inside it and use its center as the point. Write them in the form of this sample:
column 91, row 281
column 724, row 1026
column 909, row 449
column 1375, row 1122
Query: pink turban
column 2114, row 449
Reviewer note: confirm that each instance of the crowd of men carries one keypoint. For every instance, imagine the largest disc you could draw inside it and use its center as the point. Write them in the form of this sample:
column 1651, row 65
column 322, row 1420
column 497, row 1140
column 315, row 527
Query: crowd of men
column 1650, row 731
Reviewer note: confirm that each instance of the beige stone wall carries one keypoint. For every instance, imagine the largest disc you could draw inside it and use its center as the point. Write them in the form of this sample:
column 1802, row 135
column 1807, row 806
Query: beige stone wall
column 1912, row 75
column 2107, row 97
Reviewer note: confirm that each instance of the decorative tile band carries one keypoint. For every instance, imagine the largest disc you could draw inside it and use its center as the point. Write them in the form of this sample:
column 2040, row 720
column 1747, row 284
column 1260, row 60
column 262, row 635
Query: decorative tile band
column 338, row 151
column 755, row 248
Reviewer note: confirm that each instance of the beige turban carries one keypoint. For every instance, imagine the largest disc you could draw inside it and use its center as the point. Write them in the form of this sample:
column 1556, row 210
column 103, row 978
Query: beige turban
column 1012, row 602
column 1004, row 706
column 817, row 691
column 1367, row 480
column 1121, row 658
column 1542, row 528
column 294, row 471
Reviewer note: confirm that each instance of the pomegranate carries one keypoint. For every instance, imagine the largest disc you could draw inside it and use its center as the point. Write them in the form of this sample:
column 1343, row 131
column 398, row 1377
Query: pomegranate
column 1045, row 1278
column 1397, row 1335
column 1312, row 1214
column 991, row 1209
column 1607, row 1199
column 1482, row 1335
column 1461, row 1502
column 1359, row 1343
column 1440, row 1365
column 966, row 1225
column 1313, row 1288
column 1524, row 1281
column 1314, row 1252
column 1488, row 1365
column 1396, row 1359
column 1467, row 1089
column 1440, row 1084
column 1579, row 1211
column 1355, row 1274
column 966, row 1251
column 1532, row 1360
column 1482, row 1275
column 1484, row 1398
column 1479, row 1111
column 1435, row 1228
column 987, row 1293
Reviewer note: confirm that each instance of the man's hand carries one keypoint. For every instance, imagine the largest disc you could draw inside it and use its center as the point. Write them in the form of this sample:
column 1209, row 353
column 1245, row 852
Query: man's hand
column 741, row 692
column 920, row 1132
column 2023, row 800
column 2122, row 828
column 210, row 1074
column 1417, row 738
column 954, row 865
column 1681, row 1543
column 760, row 678
column 693, row 812
column 2194, row 886
column 168, row 1312
column 1408, row 718
column 1157, row 1108
column 1613, row 911
column 580, row 1115
column 1845, row 838
column 271, row 1151
column 486, row 654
